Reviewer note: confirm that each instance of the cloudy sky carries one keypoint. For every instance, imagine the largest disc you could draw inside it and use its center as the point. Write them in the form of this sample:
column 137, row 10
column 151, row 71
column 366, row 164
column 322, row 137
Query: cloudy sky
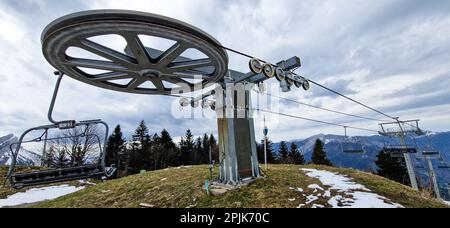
column 391, row 54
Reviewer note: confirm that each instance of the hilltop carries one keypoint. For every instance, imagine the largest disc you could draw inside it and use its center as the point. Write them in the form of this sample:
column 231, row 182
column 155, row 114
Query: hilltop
column 285, row 186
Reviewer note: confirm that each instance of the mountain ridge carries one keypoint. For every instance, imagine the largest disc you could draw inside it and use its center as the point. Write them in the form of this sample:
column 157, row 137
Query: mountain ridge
column 25, row 158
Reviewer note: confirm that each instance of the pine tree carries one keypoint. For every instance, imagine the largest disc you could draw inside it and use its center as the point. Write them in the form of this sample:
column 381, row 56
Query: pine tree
column 260, row 151
column 140, row 154
column 283, row 152
column 392, row 168
column 157, row 152
column 319, row 156
column 116, row 150
column 270, row 156
column 205, row 149
column 197, row 152
column 295, row 156
column 186, row 148
column 171, row 155
column 215, row 148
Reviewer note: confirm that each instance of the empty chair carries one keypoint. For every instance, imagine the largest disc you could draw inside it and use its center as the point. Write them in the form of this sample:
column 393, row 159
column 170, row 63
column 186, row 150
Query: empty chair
column 61, row 160
column 400, row 150
column 349, row 147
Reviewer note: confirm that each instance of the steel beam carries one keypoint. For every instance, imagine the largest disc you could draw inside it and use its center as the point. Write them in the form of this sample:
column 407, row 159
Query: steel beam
column 237, row 142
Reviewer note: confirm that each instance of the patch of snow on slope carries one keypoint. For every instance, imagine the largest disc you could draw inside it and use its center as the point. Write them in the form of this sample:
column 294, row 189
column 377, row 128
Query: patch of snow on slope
column 315, row 186
column 38, row 194
column 337, row 182
column 352, row 195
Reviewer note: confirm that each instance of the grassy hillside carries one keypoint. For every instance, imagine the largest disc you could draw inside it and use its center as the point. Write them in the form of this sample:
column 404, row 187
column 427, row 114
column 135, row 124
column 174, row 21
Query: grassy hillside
column 182, row 187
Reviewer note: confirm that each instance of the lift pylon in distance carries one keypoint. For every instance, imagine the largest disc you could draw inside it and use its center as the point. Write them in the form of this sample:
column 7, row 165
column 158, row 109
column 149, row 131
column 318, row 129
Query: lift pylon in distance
column 402, row 129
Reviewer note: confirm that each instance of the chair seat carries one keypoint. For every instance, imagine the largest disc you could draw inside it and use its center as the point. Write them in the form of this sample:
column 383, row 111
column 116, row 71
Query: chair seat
column 21, row 180
column 401, row 150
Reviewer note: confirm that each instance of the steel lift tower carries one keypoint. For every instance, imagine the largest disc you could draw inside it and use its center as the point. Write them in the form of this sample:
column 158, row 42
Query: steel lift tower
column 401, row 129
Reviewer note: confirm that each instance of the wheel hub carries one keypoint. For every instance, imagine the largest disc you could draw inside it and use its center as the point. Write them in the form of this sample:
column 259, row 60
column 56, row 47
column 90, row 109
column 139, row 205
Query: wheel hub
column 150, row 73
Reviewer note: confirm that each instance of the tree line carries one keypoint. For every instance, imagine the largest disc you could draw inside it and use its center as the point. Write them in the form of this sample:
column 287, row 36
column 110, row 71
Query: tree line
column 146, row 151
column 291, row 154
column 149, row 152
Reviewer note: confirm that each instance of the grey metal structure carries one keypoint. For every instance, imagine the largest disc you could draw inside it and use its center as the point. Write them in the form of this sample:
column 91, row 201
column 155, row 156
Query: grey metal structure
column 75, row 30
column 401, row 129
column 20, row 180
column 350, row 148
column 428, row 156
column 141, row 64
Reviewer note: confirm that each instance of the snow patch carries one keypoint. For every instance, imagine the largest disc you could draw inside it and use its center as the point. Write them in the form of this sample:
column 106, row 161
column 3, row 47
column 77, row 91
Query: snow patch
column 337, row 182
column 311, row 199
column 38, row 194
column 352, row 195
column 315, row 186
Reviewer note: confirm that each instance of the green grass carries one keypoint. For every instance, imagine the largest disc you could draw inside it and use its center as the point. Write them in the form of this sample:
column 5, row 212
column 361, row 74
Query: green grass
column 181, row 188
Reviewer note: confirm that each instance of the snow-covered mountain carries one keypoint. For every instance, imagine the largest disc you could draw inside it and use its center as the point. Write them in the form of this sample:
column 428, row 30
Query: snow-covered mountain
column 25, row 158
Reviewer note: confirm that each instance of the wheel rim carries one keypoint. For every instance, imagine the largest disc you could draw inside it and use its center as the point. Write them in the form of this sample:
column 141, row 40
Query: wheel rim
column 137, row 65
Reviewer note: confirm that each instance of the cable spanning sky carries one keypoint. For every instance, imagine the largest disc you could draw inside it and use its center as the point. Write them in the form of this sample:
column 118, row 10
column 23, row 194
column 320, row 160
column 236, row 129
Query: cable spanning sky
column 391, row 54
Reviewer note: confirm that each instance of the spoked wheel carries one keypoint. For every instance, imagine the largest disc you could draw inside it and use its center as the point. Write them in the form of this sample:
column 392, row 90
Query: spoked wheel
column 166, row 70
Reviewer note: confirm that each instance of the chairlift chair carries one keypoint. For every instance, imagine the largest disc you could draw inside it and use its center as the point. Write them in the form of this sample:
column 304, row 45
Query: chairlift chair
column 351, row 148
column 61, row 174
column 443, row 164
column 437, row 155
column 431, row 154
column 400, row 150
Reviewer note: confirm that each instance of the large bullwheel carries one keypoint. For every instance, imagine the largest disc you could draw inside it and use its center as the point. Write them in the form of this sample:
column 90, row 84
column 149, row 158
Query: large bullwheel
column 138, row 64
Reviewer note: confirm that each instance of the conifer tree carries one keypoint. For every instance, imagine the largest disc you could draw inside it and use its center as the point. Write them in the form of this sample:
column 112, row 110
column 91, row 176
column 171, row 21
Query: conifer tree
column 319, row 156
column 283, row 153
column 392, row 168
column 205, row 149
column 295, row 156
column 197, row 152
column 215, row 148
column 186, row 148
column 116, row 150
column 171, row 155
column 140, row 154
column 270, row 154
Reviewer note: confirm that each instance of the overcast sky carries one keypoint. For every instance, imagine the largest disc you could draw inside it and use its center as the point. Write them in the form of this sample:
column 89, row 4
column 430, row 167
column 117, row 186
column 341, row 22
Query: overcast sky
column 391, row 54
